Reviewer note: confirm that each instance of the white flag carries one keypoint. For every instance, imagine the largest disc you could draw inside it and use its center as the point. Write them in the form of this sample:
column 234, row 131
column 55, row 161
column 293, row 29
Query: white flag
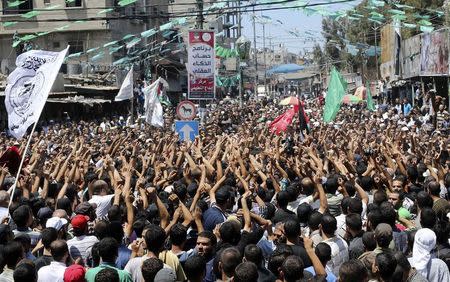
column 28, row 87
column 430, row 103
column 126, row 90
column 153, row 108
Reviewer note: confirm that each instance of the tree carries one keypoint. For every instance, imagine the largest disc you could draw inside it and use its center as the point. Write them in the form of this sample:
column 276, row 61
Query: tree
column 423, row 10
column 334, row 33
column 319, row 56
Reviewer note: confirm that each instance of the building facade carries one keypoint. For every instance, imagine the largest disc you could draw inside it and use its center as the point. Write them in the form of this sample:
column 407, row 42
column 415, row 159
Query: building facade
column 82, row 24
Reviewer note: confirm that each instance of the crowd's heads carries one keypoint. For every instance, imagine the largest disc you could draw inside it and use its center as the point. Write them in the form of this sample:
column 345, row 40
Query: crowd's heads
column 229, row 259
column 194, row 268
column 384, row 266
column 22, row 216
column 292, row 269
column 427, row 218
column 150, row 268
column 59, row 250
column 80, row 224
column 353, row 271
column 165, row 275
column 13, row 252
column 328, row 225
column 323, row 252
column 74, row 273
column 383, row 235
column 107, row 275
column 224, row 196
column 25, row 271
column 230, row 232
column 108, row 249
column 206, row 243
column 154, row 237
column 278, row 257
column 291, row 229
column 246, row 272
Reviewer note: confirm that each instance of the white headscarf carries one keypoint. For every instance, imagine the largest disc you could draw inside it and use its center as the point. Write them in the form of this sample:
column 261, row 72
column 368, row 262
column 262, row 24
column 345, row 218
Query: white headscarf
column 424, row 242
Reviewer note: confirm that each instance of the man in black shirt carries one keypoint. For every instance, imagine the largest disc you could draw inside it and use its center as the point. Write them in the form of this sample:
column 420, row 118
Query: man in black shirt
column 282, row 214
column 292, row 233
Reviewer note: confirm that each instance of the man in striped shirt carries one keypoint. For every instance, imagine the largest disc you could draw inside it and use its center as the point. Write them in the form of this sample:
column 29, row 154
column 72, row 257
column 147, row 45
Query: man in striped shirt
column 81, row 244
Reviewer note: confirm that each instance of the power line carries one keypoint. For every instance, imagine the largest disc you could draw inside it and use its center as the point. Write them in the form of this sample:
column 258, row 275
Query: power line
column 168, row 5
column 182, row 15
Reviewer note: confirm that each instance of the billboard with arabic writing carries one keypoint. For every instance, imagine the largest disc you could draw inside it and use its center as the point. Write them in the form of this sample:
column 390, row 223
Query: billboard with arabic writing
column 201, row 65
column 434, row 54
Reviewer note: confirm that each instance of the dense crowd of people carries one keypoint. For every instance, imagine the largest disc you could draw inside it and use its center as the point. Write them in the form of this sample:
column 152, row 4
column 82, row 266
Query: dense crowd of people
column 364, row 198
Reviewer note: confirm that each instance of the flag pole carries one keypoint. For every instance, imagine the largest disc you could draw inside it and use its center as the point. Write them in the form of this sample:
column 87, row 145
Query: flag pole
column 60, row 61
column 24, row 153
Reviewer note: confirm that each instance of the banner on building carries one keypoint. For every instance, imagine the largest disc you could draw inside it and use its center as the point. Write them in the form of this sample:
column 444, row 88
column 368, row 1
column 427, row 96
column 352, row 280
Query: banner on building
column 387, row 43
column 434, row 54
column 411, row 57
column 398, row 46
column 201, row 65
column 28, row 87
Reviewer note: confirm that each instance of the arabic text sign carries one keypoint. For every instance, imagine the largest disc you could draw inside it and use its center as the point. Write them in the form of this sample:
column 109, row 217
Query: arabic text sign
column 201, row 65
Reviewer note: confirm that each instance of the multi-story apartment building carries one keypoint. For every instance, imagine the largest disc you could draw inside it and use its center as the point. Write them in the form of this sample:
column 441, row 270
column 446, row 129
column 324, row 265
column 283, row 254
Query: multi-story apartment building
column 82, row 24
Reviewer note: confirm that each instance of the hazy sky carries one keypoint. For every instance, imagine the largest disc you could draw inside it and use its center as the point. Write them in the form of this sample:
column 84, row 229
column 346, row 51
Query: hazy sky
column 292, row 20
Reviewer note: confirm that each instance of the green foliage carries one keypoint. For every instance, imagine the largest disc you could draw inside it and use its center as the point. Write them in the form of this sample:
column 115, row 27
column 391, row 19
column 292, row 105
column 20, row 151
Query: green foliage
column 359, row 24
column 334, row 33
column 319, row 56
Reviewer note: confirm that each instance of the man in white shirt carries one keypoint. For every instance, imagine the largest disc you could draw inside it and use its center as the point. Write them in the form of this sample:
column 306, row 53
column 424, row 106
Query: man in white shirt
column 55, row 271
column 4, row 201
column 81, row 244
column 339, row 248
column 101, row 198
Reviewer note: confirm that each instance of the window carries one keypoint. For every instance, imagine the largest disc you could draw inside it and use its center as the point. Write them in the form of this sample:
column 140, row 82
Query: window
column 46, row 2
column 73, row 3
column 23, row 8
column 75, row 47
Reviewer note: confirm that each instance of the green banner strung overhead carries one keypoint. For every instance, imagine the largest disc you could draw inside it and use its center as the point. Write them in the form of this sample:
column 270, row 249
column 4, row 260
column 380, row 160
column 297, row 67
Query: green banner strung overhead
column 227, row 81
column 222, row 52
column 124, row 3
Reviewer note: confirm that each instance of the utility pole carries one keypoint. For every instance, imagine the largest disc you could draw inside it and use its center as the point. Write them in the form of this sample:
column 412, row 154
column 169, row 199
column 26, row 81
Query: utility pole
column 376, row 53
column 241, row 83
column 272, row 55
column 256, row 51
column 264, row 59
column 200, row 18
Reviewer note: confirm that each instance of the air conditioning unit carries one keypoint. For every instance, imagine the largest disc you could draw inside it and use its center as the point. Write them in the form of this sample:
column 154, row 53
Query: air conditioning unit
column 73, row 69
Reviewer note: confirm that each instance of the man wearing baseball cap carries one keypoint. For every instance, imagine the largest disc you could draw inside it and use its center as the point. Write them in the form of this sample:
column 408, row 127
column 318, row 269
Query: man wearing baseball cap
column 81, row 244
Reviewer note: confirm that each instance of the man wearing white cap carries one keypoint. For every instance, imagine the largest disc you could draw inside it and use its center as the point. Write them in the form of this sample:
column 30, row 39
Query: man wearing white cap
column 56, row 222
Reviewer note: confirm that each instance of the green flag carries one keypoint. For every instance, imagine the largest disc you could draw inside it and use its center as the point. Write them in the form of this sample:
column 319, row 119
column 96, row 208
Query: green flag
column 370, row 105
column 163, row 99
column 336, row 91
